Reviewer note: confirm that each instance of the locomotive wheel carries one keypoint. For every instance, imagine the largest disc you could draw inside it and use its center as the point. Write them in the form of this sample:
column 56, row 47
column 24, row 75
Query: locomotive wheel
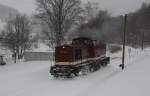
column 76, row 74
column 98, row 66
column 56, row 76
column 104, row 64
column 91, row 69
column 85, row 70
column 71, row 75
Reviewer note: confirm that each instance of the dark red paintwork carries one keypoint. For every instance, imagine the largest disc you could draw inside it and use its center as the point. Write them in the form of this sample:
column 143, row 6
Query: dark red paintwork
column 81, row 48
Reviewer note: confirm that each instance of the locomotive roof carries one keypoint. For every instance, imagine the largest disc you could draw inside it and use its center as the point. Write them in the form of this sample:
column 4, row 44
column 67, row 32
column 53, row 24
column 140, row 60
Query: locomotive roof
column 82, row 38
column 71, row 45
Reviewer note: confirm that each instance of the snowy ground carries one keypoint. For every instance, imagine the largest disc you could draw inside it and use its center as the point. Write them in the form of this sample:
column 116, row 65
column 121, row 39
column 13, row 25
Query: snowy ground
column 33, row 79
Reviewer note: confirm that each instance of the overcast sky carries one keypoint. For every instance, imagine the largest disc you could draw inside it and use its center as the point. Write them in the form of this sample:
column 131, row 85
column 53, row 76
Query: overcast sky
column 115, row 7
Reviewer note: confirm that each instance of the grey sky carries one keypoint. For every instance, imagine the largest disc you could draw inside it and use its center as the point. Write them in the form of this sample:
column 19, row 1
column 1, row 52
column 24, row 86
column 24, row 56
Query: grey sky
column 115, row 7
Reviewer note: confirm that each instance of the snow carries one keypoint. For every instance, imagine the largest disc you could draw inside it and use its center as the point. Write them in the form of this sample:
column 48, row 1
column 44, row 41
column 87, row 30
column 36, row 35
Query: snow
column 33, row 79
column 133, row 81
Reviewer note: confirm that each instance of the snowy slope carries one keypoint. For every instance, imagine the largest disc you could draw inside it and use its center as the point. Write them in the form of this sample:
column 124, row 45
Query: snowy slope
column 33, row 79
column 133, row 81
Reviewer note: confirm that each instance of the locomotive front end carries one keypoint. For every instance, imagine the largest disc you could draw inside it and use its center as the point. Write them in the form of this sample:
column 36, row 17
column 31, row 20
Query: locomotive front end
column 64, row 66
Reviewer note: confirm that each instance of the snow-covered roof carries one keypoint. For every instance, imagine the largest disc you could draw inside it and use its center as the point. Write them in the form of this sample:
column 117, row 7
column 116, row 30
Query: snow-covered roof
column 4, row 51
column 41, row 48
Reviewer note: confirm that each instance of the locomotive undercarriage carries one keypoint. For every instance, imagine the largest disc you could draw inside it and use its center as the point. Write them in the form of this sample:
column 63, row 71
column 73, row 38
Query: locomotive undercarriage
column 64, row 71
column 69, row 71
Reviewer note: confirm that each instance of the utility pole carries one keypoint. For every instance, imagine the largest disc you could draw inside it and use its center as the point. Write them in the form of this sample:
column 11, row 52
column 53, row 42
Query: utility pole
column 142, row 39
column 124, row 41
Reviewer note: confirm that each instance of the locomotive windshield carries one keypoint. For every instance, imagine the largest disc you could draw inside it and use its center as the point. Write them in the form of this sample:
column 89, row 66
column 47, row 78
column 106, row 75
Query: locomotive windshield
column 78, row 54
column 82, row 40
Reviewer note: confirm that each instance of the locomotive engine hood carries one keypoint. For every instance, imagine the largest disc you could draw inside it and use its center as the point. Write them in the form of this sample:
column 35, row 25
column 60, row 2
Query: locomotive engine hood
column 64, row 53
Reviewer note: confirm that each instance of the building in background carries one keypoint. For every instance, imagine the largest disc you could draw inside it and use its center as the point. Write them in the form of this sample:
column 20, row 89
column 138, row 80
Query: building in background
column 39, row 52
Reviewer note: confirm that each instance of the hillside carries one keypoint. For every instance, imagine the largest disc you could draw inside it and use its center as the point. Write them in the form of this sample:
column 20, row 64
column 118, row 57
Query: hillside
column 6, row 11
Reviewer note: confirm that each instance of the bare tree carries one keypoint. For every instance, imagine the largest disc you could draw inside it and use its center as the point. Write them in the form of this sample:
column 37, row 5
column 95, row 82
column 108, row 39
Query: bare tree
column 60, row 16
column 16, row 35
column 139, row 26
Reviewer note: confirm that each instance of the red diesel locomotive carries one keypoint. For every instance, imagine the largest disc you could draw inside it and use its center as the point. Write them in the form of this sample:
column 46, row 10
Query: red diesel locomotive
column 82, row 54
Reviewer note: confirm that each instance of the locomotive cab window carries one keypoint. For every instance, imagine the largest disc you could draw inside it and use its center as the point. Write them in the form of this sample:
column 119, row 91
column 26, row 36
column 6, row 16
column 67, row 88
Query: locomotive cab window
column 96, row 43
column 78, row 55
